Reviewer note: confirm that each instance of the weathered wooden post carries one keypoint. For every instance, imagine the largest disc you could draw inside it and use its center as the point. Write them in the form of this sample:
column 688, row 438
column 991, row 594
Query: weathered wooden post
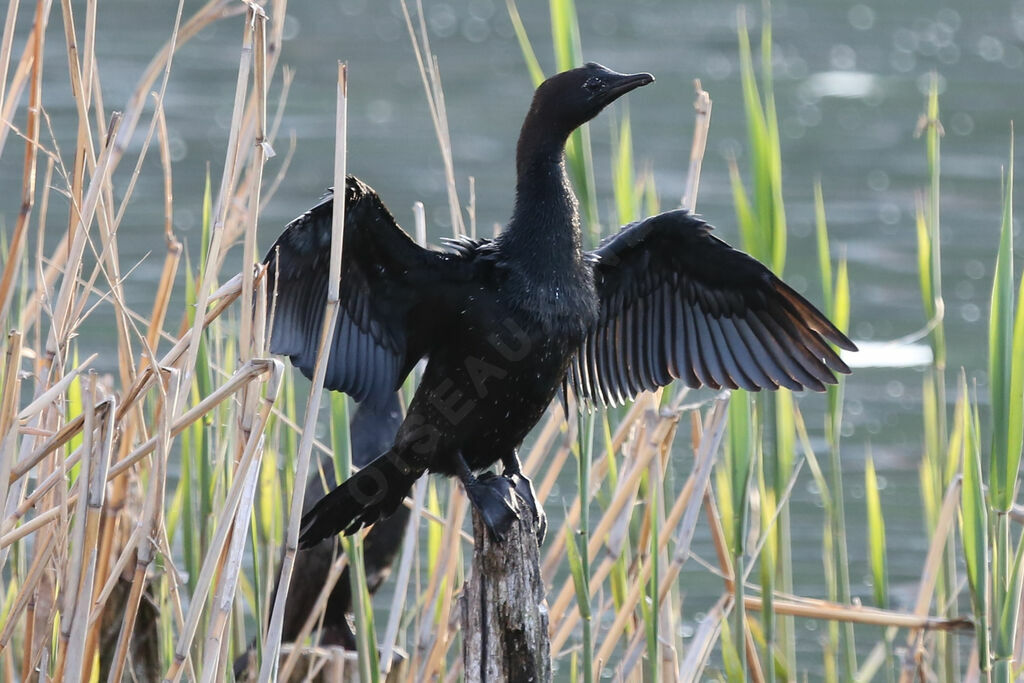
column 504, row 611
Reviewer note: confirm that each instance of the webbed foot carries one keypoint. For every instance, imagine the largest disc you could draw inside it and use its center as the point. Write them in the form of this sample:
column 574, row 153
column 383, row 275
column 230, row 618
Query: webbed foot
column 491, row 495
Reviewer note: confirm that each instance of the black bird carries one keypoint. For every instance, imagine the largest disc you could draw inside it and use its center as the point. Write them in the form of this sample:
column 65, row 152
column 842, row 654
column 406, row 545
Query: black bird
column 505, row 323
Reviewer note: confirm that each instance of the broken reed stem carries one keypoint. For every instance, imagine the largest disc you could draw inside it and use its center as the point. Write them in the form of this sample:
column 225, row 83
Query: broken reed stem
column 213, row 660
column 73, row 576
column 94, row 499
column 700, row 140
column 272, row 641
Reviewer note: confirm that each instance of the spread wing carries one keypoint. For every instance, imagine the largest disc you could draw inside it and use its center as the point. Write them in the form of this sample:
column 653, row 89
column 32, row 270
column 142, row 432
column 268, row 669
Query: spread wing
column 387, row 283
column 678, row 303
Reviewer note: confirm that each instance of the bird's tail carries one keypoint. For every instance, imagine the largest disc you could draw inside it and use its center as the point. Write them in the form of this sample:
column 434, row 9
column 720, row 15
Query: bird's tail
column 373, row 492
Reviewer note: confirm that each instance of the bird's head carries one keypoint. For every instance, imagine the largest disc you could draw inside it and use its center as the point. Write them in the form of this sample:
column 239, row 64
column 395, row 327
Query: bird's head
column 571, row 98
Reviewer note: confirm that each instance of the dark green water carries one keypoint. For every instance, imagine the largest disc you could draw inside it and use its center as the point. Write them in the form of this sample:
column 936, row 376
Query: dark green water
column 849, row 91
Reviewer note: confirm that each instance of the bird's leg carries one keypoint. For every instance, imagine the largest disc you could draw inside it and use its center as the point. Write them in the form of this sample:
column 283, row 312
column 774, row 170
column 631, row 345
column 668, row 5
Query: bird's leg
column 491, row 496
column 524, row 491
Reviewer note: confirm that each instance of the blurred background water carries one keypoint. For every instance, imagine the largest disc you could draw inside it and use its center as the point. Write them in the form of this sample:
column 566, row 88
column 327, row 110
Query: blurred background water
column 849, row 80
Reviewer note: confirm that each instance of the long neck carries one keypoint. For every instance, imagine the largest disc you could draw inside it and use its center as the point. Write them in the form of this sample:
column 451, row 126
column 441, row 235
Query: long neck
column 545, row 224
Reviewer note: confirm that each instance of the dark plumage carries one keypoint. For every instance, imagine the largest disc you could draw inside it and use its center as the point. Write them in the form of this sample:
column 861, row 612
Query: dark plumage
column 503, row 322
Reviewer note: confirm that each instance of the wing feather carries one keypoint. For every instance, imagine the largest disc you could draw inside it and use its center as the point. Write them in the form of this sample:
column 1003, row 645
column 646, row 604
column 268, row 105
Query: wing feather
column 384, row 282
column 678, row 303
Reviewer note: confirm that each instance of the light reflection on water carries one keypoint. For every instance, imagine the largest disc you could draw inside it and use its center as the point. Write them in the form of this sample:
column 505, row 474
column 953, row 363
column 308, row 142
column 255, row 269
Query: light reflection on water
column 849, row 84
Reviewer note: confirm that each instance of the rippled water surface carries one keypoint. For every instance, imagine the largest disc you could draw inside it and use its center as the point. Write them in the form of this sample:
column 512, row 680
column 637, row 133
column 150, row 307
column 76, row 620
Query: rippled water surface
column 849, row 88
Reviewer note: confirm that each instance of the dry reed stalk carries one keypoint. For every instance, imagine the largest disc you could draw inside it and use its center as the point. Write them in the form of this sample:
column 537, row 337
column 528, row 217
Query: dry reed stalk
column 83, row 150
column 215, row 642
column 21, row 74
column 540, row 459
column 62, row 322
column 409, row 554
column 40, row 521
column 28, row 188
column 703, row 641
column 79, row 651
column 220, row 612
column 225, row 523
column 224, row 296
column 54, row 539
column 73, row 578
column 221, row 206
column 166, row 284
column 55, row 392
column 625, row 494
column 929, row 576
column 685, row 523
column 261, row 151
column 471, row 209
column 729, row 576
column 430, row 75
column 420, row 223
column 143, row 552
column 245, row 374
column 152, row 519
column 272, row 640
column 598, row 471
column 314, row 617
column 700, row 140
column 433, row 638
column 703, row 460
column 22, row 602
column 9, row 395
column 812, row 608
column 212, row 11
column 6, row 46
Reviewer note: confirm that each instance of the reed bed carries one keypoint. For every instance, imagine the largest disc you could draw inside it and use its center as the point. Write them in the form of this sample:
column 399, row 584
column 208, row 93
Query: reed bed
column 143, row 509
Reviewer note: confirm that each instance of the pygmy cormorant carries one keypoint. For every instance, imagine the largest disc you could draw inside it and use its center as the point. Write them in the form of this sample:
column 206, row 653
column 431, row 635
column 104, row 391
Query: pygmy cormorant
column 505, row 322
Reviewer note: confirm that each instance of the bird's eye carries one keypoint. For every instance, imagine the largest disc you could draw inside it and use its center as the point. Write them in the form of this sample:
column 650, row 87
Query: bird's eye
column 593, row 84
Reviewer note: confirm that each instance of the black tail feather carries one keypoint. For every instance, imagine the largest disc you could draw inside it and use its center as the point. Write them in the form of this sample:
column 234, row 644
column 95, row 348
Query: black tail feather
column 370, row 494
